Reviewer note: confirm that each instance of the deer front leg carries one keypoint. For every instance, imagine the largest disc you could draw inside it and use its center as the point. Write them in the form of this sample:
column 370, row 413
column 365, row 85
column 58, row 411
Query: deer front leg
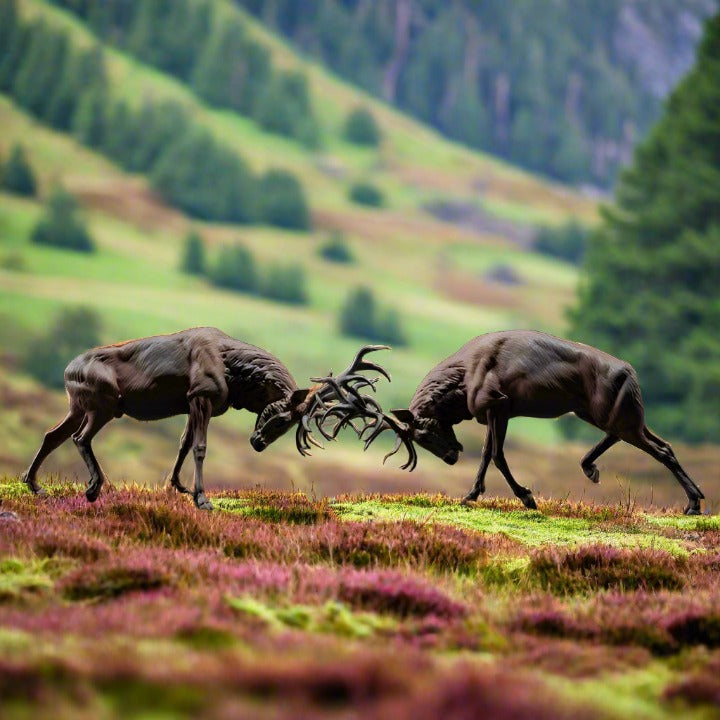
column 92, row 424
column 199, row 419
column 479, row 486
column 498, row 425
column 588, row 462
column 185, row 445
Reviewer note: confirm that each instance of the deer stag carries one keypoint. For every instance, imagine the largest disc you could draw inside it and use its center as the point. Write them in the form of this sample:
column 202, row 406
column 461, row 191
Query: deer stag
column 502, row 375
column 201, row 372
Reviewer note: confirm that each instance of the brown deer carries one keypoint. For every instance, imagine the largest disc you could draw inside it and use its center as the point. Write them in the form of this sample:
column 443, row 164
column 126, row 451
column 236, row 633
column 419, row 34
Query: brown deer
column 201, row 372
column 522, row 373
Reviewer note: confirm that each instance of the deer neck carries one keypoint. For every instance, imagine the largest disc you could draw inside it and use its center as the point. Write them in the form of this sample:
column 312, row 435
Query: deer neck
column 255, row 378
column 442, row 396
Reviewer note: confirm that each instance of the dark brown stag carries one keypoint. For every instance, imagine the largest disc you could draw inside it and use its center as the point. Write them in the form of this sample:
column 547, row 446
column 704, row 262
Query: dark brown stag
column 503, row 375
column 201, row 372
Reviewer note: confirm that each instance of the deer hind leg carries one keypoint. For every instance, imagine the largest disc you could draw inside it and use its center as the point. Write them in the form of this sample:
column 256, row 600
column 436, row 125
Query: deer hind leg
column 93, row 422
column 659, row 449
column 588, row 462
column 479, row 486
column 53, row 439
column 199, row 419
column 185, row 444
column 498, row 426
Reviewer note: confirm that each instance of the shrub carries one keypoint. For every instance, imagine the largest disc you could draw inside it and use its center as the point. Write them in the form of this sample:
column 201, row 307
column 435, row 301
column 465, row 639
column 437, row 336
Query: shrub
column 361, row 317
column 193, row 257
column 336, row 249
column 60, row 225
column 17, row 175
column 285, row 283
column 235, row 269
column 361, row 128
column 282, row 201
column 364, row 193
column 567, row 242
column 73, row 331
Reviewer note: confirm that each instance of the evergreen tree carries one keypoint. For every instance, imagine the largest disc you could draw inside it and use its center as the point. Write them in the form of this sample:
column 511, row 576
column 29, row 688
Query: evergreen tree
column 13, row 54
column 60, row 225
column 361, row 128
column 285, row 283
column 651, row 292
column 282, row 201
column 235, row 269
column 336, row 249
column 89, row 123
column 193, row 257
column 360, row 316
column 72, row 331
column 204, row 179
column 17, row 175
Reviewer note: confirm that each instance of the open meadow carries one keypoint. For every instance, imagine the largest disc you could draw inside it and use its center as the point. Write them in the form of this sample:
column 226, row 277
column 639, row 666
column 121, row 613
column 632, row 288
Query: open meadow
column 379, row 606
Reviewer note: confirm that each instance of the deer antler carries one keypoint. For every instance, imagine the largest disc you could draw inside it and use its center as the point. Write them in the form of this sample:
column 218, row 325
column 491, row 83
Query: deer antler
column 404, row 437
column 339, row 396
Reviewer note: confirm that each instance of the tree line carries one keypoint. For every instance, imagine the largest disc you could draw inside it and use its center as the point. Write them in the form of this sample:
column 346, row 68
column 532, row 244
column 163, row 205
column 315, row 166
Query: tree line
column 210, row 51
column 69, row 90
column 560, row 87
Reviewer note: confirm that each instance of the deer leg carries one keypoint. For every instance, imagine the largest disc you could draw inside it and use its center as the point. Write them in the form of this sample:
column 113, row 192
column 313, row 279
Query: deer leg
column 588, row 462
column 54, row 437
column 92, row 424
column 498, row 425
column 185, row 445
column 199, row 419
column 659, row 449
column 479, row 486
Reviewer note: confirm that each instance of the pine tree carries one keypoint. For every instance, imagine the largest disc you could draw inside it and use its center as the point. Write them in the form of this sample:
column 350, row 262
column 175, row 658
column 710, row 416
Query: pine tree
column 17, row 175
column 193, row 258
column 282, row 201
column 651, row 291
column 60, row 225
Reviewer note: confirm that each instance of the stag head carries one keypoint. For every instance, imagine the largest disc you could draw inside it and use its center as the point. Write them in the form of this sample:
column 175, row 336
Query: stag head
column 334, row 396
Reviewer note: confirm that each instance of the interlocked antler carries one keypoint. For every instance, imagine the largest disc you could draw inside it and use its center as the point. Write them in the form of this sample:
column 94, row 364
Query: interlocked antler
column 339, row 396
column 404, row 437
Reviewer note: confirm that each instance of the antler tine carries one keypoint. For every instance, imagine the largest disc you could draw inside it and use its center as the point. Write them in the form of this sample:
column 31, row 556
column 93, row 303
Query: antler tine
column 404, row 438
column 359, row 363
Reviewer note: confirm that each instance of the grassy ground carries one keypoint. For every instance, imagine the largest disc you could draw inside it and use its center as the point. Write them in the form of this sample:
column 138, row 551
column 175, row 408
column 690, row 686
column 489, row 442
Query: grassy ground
column 384, row 606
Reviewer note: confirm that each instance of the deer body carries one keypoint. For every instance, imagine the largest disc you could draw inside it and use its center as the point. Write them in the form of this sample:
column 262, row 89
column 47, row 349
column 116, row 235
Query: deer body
column 200, row 372
column 502, row 375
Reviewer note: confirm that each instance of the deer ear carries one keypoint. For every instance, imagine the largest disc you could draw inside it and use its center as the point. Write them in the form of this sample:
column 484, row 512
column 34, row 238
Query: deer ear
column 298, row 397
column 404, row 416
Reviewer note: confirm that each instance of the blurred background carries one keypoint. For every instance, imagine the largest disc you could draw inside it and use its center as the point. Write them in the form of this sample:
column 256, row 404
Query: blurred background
column 312, row 176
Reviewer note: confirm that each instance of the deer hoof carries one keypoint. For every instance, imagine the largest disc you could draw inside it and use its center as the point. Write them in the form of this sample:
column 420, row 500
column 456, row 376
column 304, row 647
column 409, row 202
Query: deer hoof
column 203, row 503
column 693, row 508
column 92, row 493
column 33, row 486
column 593, row 474
column 529, row 501
column 469, row 501
column 177, row 485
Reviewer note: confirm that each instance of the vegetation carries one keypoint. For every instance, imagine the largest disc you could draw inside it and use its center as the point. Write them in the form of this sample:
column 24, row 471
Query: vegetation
column 361, row 127
column 568, row 105
column 61, row 225
column 336, row 249
column 365, row 193
column 235, row 268
column 282, row 201
column 70, row 89
column 73, row 331
column 16, row 174
column 318, row 608
column 567, row 242
column 193, row 261
column 360, row 316
column 285, row 283
column 651, row 292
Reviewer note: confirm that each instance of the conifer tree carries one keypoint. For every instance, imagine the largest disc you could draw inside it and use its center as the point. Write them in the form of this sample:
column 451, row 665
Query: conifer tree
column 651, row 292
column 17, row 175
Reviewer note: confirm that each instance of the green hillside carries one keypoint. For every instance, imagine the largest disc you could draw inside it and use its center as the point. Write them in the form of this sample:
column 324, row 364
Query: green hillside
column 437, row 274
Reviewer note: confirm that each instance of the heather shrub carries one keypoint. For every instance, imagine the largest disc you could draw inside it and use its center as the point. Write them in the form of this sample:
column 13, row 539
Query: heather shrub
column 112, row 579
column 594, row 567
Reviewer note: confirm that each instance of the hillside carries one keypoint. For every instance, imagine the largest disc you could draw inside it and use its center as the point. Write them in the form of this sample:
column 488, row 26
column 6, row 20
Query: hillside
column 383, row 606
column 438, row 274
